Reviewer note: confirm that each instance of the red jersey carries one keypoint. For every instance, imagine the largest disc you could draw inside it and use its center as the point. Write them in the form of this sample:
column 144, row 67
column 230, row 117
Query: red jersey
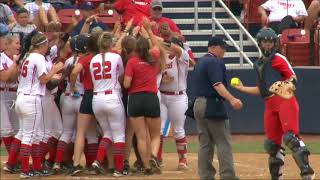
column 144, row 75
column 136, row 9
column 281, row 64
column 85, row 62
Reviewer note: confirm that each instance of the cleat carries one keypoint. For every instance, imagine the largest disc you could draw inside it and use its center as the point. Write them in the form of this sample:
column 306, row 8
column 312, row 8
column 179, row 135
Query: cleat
column 98, row 167
column 155, row 165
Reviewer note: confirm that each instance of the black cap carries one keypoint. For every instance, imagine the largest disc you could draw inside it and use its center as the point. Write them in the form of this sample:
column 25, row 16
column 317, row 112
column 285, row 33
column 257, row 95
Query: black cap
column 218, row 41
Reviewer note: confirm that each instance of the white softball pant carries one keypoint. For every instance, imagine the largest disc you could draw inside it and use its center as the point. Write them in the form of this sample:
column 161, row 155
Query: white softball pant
column 173, row 108
column 69, row 109
column 51, row 126
column 109, row 112
column 29, row 111
column 9, row 121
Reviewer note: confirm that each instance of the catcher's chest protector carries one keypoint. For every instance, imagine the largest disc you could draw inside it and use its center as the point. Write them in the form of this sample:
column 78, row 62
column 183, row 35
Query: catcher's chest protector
column 266, row 75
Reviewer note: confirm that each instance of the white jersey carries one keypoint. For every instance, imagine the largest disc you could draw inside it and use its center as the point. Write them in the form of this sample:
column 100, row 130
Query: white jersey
column 113, row 68
column 178, row 69
column 49, row 63
column 5, row 63
column 280, row 8
column 78, row 84
column 32, row 69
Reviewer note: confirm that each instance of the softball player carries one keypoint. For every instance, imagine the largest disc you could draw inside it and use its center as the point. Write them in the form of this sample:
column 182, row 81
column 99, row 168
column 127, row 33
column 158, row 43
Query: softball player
column 70, row 105
column 105, row 69
column 8, row 87
column 31, row 87
column 51, row 125
column 86, row 126
column 174, row 100
column 281, row 116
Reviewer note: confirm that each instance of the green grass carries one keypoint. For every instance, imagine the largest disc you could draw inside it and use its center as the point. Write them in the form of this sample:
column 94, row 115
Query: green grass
column 243, row 147
column 247, row 147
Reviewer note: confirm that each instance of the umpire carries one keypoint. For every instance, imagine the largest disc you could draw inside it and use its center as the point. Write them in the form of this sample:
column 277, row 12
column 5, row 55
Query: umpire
column 210, row 113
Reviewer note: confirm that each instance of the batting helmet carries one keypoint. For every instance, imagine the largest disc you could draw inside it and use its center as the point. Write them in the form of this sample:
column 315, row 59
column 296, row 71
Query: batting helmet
column 80, row 43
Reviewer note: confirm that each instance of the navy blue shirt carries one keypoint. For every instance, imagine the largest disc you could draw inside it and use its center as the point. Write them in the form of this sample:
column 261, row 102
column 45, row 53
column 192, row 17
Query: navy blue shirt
column 209, row 71
column 77, row 29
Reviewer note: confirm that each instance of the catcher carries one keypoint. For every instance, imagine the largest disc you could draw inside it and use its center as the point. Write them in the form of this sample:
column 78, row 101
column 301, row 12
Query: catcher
column 276, row 84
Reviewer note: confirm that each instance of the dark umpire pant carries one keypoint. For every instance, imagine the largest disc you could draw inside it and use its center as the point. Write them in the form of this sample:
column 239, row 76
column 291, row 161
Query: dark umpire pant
column 213, row 133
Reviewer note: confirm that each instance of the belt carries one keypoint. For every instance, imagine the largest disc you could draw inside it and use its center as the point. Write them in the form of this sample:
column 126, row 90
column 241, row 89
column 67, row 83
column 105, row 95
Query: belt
column 8, row 89
column 105, row 92
column 69, row 94
column 172, row 93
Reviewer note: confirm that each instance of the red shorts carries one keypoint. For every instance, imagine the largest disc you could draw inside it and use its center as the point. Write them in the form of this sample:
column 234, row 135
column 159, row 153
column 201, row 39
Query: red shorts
column 280, row 116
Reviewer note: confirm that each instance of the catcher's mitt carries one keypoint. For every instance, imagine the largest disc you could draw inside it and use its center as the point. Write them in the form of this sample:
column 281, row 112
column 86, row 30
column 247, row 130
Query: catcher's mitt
column 284, row 89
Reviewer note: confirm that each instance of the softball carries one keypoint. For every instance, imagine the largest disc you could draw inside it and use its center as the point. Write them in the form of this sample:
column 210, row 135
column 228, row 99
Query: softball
column 235, row 81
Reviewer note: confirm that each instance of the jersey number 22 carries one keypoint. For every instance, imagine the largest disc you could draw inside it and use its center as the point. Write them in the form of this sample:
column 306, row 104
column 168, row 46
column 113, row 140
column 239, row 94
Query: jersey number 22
column 97, row 72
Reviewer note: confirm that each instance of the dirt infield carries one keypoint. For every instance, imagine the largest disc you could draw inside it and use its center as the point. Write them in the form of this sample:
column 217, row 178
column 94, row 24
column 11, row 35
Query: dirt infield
column 248, row 166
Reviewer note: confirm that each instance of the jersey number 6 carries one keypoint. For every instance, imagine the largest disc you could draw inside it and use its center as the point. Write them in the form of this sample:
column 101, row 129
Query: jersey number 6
column 98, row 69
column 24, row 69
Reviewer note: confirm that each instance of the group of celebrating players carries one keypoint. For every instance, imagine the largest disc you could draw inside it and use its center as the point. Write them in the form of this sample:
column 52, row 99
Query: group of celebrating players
column 92, row 93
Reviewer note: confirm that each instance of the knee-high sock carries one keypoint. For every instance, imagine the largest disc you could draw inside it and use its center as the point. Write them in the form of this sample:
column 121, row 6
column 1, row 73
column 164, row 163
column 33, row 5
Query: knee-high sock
column 182, row 148
column 61, row 147
column 25, row 152
column 52, row 147
column 14, row 152
column 90, row 152
column 36, row 159
column 118, row 155
column 104, row 146
column 7, row 141
column 159, row 155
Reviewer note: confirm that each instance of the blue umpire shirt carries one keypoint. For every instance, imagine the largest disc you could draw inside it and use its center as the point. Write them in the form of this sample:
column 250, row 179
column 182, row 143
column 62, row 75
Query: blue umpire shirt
column 209, row 71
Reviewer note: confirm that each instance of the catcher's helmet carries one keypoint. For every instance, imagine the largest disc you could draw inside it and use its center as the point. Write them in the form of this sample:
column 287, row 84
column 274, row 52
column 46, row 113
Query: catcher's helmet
column 80, row 43
column 3, row 30
column 266, row 34
column 270, row 35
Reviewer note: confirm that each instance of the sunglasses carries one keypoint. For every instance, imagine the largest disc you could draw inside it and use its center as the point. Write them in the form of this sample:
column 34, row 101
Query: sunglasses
column 157, row 9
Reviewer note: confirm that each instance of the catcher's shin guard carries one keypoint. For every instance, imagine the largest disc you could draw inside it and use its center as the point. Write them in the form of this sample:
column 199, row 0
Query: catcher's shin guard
column 300, row 153
column 276, row 159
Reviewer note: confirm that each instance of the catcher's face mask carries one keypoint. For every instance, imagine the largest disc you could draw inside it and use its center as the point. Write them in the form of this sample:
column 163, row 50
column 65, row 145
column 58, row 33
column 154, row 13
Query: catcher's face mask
column 267, row 46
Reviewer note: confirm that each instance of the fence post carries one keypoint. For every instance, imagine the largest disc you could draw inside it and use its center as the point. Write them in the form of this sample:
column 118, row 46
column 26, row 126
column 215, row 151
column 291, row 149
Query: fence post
column 196, row 18
column 213, row 16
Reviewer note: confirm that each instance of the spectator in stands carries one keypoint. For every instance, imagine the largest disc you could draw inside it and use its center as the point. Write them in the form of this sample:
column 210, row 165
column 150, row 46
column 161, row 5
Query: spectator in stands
column 291, row 12
column 89, row 21
column 136, row 9
column 313, row 14
column 6, row 16
column 43, row 15
column 62, row 4
column 3, row 32
column 23, row 22
column 161, row 24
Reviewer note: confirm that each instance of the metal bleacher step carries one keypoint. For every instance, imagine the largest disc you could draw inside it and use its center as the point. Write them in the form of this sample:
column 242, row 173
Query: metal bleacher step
column 205, row 43
column 230, row 54
column 208, row 32
column 203, row 21
column 191, row 10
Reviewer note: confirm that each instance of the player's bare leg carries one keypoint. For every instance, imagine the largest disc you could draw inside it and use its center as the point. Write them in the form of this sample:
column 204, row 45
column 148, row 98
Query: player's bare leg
column 154, row 125
column 83, row 123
